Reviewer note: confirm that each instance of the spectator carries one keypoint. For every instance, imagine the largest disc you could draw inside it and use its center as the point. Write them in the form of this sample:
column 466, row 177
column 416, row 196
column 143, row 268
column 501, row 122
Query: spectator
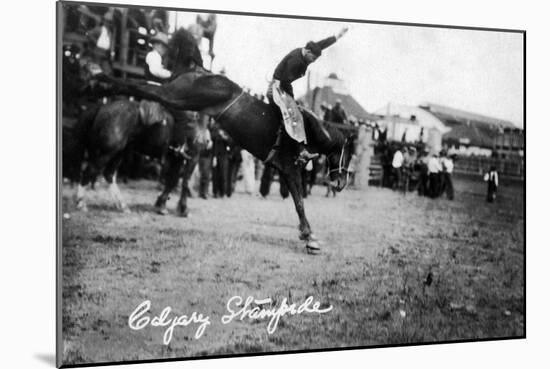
column 338, row 114
column 397, row 163
column 491, row 178
column 221, row 184
column 326, row 112
column 205, row 163
column 100, row 41
column 209, row 24
column 423, row 177
column 447, row 166
column 235, row 161
column 248, row 171
column 434, row 168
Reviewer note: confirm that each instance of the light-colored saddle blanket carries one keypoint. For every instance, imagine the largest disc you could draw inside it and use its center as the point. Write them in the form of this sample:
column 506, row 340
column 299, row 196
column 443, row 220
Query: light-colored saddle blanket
column 292, row 117
column 152, row 112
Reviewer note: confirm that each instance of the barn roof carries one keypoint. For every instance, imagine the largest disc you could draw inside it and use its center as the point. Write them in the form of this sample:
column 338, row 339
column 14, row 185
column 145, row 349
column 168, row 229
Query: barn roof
column 451, row 115
column 469, row 128
column 473, row 135
column 423, row 117
column 328, row 95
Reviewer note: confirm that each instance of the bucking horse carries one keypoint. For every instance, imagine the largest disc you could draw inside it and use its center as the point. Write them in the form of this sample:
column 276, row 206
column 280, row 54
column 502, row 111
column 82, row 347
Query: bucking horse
column 253, row 125
column 108, row 132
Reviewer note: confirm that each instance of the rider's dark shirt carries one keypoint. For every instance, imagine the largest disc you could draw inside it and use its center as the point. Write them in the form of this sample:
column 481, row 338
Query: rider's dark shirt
column 294, row 66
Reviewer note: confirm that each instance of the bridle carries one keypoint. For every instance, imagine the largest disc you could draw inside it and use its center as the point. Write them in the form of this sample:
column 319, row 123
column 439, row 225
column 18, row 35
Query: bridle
column 341, row 167
column 229, row 105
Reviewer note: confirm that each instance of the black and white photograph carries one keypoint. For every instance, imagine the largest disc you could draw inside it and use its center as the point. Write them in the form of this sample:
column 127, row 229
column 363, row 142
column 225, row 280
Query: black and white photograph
column 238, row 183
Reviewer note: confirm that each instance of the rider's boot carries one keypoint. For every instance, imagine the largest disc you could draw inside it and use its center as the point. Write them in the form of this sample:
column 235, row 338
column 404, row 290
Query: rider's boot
column 304, row 156
column 275, row 148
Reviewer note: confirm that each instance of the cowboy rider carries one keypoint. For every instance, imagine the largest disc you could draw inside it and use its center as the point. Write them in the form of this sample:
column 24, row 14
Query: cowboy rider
column 294, row 66
column 154, row 70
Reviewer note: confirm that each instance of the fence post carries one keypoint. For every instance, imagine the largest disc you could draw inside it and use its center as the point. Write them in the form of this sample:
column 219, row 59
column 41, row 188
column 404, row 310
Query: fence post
column 124, row 41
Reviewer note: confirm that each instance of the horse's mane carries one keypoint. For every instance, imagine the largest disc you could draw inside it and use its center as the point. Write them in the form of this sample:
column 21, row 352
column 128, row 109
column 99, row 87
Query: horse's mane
column 182, row 51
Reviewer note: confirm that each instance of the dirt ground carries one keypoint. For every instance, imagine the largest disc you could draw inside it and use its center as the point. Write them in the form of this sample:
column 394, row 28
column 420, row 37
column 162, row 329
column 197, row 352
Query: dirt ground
column 395, row 268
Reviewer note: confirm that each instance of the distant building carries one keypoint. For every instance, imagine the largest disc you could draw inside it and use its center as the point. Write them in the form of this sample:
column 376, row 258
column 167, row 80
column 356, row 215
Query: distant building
column 333, row 89
column 412, row 124
column 476, row 134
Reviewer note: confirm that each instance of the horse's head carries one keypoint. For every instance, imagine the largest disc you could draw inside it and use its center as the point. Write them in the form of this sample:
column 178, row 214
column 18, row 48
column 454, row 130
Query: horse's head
column 338, row 162
column 183, row 52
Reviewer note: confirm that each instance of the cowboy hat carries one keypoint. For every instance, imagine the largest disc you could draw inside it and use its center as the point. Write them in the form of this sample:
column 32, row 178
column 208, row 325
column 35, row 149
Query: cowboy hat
column 159, row 37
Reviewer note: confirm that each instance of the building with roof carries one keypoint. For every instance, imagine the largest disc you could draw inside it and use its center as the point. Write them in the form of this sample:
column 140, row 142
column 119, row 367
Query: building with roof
column 412, row 124
column 334, row 89
column 475, row 134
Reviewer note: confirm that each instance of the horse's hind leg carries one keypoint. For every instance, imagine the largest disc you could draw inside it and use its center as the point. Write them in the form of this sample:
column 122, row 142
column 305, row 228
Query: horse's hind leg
column 171, row 175
column 110, row 175
column 88, row 174
column 188, row 169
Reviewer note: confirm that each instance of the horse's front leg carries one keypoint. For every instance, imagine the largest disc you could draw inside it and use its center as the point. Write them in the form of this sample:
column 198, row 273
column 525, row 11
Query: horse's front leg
column 171, row 176
column 293, row 181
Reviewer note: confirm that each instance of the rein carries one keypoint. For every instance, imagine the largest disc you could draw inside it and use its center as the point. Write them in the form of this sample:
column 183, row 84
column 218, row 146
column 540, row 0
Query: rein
column 229, row 105
column 341, row 168
column 341, row 160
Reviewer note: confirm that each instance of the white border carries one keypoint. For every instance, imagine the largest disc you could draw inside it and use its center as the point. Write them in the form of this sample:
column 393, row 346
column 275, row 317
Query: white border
column 28, row 181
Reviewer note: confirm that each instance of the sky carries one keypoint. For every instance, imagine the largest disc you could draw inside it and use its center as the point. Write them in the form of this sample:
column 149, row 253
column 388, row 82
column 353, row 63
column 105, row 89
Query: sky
column 477, row 71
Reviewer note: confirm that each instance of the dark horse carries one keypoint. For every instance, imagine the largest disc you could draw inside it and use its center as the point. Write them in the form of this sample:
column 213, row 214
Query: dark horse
column 253, row 125
column 108, row 132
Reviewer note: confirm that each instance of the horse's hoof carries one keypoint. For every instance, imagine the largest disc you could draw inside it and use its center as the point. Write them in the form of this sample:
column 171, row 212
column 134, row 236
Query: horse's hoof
column 162, row 211
column 183, row 212
column 81, row 205
column 313, row 247
column 309, row 237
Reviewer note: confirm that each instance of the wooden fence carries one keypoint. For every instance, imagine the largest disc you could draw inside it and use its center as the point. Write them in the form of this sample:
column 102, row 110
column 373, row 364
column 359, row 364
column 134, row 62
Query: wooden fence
column 479, row 165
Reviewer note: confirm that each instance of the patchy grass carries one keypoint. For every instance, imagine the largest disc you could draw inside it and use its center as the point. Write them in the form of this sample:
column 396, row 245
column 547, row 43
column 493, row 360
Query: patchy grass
column 396, row 269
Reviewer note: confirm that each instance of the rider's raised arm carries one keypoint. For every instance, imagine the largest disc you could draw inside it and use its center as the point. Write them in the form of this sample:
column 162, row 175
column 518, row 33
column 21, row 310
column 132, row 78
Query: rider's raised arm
column 323, row 44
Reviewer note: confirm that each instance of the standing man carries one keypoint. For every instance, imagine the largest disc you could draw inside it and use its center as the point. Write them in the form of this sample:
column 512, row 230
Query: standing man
column 248, row 172
column 338, row 113
column 397, row 163
column 422, row 163
column 209, row 24
column 434, row 167
column 447, row 167
column 326, row 112
column 491, row 178
column 221, row 179
column 100, row 39
column 294, row 66
column 205, row 161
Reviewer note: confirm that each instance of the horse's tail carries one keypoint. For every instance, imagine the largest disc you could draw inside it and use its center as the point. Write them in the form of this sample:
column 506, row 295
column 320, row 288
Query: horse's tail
column 140, row 90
